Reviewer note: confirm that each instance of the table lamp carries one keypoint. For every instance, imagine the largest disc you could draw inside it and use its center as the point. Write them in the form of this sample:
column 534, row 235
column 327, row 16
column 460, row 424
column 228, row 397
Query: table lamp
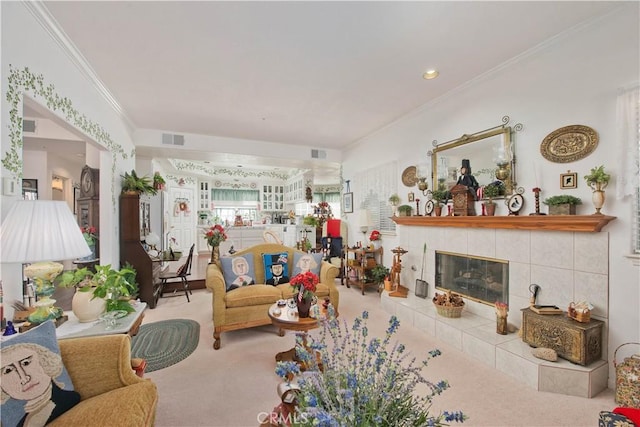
column 36, row 232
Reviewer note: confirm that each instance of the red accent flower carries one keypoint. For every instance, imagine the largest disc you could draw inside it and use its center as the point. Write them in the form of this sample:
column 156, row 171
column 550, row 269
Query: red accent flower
column 305, row 284
column 215, row 235
column 375, row 235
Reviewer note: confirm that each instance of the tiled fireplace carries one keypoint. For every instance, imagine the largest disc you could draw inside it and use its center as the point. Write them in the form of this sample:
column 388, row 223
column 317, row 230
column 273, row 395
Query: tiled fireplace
column 568, row 266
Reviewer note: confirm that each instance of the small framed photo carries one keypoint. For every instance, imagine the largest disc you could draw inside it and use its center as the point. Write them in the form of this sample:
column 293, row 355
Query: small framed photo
column 347, row 202
column 569, row 180
column 411, row 197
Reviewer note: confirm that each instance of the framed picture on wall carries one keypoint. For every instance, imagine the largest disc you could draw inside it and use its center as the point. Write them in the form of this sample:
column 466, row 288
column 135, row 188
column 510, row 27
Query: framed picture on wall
column 347, row 202
column 569, row 180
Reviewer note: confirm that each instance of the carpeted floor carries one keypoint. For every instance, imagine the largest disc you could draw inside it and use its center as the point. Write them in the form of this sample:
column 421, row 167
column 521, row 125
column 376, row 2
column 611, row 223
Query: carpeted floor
column 166, row 342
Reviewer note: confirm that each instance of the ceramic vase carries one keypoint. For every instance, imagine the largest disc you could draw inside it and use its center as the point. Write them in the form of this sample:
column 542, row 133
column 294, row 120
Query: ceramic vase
column 215, row 255
column 304, row 306
column 598, row 200
column 86, row 308
column 437, row 210
column 377, row 244
column 92, row 255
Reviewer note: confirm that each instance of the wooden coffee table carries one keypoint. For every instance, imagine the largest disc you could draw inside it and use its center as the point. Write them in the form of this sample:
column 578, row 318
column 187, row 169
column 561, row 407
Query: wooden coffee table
column 288, row 320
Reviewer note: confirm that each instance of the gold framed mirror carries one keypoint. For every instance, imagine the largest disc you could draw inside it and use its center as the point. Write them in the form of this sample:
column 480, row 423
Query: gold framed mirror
column 489, row 154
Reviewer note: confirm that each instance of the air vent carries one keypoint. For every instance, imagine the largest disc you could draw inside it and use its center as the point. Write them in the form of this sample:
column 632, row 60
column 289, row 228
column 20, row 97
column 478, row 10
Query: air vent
column 29, row 126
column 172, row 139
column 318, row 154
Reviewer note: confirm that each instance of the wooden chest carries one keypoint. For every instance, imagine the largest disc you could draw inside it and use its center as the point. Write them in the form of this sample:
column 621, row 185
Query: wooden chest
column 577, row 342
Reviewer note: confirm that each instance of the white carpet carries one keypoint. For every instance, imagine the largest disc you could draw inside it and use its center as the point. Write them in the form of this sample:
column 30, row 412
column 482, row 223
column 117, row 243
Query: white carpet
column 233, row 385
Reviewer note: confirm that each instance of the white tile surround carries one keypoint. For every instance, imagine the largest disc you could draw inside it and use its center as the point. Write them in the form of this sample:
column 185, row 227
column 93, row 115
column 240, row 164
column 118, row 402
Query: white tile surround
column 568, row 266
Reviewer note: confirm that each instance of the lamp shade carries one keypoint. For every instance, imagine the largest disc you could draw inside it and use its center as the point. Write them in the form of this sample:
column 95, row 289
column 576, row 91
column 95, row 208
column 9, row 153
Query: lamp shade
column 41, row 230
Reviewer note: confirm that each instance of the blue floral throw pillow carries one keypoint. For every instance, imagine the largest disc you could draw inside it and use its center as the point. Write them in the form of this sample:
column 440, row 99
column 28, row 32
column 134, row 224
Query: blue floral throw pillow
column 306, row 262
column 36, row 387
column 238, row 271
column 276, row 268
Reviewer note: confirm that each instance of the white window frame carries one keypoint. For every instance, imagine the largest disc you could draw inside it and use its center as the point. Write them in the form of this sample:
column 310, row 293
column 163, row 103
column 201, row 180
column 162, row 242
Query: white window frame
column 375, row 185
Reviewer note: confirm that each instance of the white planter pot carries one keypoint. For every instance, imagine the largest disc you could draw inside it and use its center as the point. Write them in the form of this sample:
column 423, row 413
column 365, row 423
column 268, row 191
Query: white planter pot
column 85, row 308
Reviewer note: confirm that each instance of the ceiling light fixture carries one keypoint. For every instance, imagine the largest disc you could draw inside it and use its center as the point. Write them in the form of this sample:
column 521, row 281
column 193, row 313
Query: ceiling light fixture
column 430, row 74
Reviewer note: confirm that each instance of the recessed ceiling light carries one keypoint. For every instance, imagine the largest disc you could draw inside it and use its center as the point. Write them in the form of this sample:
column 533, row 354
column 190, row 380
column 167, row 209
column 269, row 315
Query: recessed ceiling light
column 430, row 74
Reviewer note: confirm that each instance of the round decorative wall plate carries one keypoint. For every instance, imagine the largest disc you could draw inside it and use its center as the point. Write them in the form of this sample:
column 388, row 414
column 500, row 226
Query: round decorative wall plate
column 409, row 177
column 569, row 144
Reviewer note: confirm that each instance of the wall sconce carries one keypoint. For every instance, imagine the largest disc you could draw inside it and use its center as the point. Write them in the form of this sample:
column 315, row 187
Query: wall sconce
column 422, row 173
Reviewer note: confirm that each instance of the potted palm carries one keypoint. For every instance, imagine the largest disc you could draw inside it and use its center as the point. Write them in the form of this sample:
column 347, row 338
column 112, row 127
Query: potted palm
column 134, row 184
column 490, row 191
column 598, row 180
column 562, row 205
column 105, row 289
column 394, row 200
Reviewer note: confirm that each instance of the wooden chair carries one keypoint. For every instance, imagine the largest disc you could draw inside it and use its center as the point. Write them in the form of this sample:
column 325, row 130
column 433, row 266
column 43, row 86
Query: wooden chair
column 181, row 273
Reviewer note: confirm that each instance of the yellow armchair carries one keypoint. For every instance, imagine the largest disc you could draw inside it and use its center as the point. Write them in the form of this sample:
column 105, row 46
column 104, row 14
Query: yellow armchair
column 110, row 392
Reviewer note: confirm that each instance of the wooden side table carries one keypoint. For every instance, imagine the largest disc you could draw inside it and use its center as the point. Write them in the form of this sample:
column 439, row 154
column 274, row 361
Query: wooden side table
column 288, row 320
column 362, row 261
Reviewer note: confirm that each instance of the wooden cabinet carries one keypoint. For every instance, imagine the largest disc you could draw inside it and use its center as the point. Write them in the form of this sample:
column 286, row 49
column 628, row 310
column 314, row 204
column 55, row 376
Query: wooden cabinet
column 132, row 251
column 357, row 264
column 577, row 342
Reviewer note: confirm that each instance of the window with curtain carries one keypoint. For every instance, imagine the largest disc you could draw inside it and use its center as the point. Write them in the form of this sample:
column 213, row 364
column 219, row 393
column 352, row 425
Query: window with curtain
column 231, row 195
column 375, row 186
column 628, row 133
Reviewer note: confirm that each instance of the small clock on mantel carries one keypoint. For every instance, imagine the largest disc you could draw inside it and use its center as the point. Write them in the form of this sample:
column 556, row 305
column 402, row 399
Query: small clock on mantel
column 463, row 201
column 89, row 182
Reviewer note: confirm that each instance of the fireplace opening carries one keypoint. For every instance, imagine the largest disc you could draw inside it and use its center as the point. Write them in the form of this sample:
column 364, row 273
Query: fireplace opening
column 485, row 280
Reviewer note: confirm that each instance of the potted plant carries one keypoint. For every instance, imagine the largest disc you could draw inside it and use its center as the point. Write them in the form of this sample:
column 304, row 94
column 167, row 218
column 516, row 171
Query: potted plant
column 379, row 273
column 394, row 200
column 404, row 210
column 310, row 220
column 562, row 205
column 114, row 287
column 440, row 197
column 132, row 183
column 158, row 181
column 598, row 180
column 490, row 191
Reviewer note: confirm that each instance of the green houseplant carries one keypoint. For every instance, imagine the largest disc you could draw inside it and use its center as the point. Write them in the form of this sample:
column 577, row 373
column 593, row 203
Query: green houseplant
column 562, row 204
column 158, row 181
column 116, row 287
column 404, row 210
column 378, row 273
column 394, row 200
column 439, row 196
column 490, row 191
column 132, row 183
column 598, row 180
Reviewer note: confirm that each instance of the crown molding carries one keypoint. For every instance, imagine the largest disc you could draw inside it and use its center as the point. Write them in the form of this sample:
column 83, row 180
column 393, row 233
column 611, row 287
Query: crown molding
column 57, row 34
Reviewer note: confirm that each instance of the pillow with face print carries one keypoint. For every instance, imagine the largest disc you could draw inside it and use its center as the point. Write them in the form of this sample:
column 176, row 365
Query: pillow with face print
column 238, row 271
column 36, row 387
column 306, row 262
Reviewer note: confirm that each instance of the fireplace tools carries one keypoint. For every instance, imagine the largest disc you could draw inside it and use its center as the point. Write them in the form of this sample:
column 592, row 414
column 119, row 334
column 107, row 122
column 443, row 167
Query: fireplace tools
column 421, row 285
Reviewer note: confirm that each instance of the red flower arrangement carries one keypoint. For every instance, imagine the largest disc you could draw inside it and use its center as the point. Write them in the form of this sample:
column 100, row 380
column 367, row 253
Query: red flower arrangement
column 305, row 284
column 375, row 235
column 215, row 235
column 89, row 234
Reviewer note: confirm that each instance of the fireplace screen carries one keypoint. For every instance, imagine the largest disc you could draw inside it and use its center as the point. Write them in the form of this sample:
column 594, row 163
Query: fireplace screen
column 482, row 279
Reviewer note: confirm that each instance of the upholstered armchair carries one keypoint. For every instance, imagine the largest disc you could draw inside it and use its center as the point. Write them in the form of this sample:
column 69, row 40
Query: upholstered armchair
column 110, row 392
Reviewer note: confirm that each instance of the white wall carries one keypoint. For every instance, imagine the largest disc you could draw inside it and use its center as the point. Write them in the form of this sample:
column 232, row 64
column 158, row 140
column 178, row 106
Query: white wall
column 26, row 43
column 574, row 79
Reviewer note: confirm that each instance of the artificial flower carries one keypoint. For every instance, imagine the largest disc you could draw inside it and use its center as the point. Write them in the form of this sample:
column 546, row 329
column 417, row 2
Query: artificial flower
column 89, row 234
column 375, row 235
column 215, row 235
column 304, row 284
column 364, row 380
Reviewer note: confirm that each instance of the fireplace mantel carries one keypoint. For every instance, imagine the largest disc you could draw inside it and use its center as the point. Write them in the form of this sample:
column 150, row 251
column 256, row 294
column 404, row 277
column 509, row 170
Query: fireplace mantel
column 588, row 223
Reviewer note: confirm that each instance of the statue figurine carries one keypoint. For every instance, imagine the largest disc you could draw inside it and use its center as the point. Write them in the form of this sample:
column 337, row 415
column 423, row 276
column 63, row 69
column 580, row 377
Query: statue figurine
column 467, row 179
column 10, row 329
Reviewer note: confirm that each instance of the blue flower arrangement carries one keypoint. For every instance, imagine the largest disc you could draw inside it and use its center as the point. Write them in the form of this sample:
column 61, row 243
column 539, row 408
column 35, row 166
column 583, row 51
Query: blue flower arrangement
column 354, row 380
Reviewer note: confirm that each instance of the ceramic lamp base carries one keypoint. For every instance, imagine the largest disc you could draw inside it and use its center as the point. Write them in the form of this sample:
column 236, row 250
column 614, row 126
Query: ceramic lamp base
column 45, row 310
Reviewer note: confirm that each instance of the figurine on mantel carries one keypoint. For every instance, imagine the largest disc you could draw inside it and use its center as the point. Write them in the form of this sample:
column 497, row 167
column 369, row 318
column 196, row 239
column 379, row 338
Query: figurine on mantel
column 467, row 179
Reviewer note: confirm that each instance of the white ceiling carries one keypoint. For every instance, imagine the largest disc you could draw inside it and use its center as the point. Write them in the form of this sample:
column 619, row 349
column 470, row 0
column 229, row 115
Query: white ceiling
column 318, row 74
